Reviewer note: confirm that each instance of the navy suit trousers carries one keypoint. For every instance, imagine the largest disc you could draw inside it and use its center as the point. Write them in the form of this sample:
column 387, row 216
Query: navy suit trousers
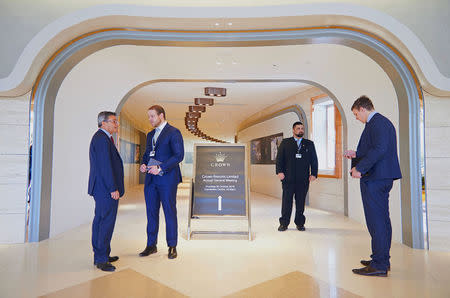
column 103, row 226
column 375, row 197
column 155, row 196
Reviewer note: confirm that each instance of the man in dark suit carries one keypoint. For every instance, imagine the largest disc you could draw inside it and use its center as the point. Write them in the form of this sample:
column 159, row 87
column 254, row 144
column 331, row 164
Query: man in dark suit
column 106, row 185
column 377, row 167
column 296, row 166
column 164, row 151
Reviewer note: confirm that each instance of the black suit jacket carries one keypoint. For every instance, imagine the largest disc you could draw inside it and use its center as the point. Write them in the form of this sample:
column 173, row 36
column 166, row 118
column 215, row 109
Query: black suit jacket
column 296, row 169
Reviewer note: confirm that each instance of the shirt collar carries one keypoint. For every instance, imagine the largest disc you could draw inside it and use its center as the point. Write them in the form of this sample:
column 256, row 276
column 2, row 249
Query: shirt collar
column 298, row 139
column 107, row 133
column 371, row 115
column 161, row 126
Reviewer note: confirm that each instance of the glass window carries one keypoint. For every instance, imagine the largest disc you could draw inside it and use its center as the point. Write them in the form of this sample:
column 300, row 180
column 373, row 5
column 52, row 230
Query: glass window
column 324, row 134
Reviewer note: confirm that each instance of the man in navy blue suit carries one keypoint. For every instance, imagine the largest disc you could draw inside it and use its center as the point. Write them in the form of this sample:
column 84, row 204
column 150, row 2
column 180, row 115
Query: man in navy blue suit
column 377, row 167
column 164, row 151
column 106, row 185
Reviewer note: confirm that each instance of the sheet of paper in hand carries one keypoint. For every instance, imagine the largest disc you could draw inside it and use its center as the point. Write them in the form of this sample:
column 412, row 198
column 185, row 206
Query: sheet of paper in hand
column 154, row 162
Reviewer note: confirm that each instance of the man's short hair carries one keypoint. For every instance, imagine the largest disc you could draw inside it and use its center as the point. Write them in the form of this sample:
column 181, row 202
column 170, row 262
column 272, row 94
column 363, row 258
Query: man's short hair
column 362, row 102
column 103, row 117
column 297, row 123
column 159, row 110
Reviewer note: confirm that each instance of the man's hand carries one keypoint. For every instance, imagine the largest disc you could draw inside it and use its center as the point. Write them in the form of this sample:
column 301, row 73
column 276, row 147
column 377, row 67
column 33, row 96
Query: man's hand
column 115, row 195
column 281, row 176
column 350, row 154
column 355, row 173
column 312, row 178
column 143, row 168
column 154, row 170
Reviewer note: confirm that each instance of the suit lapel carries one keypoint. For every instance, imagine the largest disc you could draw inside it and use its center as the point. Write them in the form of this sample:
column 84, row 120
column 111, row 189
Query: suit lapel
column 115, row 148
column 363, row 139
column 293, row 144
column 162, row 134
column 111, row 143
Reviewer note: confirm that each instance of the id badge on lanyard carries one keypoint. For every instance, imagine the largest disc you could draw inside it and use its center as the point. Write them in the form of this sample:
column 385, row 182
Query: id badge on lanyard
column 298, row 154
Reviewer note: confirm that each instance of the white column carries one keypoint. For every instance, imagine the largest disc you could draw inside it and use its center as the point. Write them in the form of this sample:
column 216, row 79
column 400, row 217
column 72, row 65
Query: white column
column 14, row 132
column 437, row 136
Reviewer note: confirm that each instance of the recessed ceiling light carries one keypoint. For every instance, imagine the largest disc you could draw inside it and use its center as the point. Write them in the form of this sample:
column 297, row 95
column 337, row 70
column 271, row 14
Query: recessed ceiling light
column 217, row 24
column 229, row 24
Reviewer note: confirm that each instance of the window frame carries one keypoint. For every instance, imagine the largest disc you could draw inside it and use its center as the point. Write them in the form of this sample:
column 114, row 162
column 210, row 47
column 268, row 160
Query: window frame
column 338, row 142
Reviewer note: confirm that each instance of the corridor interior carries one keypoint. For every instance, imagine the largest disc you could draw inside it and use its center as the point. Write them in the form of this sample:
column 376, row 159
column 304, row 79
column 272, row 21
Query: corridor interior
column 314, row 263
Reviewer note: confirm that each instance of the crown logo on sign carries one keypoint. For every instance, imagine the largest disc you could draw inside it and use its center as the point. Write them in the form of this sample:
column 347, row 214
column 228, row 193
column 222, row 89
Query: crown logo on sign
column 220, row 157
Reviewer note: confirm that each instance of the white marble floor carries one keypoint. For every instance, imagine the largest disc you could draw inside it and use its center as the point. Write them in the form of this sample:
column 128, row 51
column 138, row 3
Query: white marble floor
column 218, row 266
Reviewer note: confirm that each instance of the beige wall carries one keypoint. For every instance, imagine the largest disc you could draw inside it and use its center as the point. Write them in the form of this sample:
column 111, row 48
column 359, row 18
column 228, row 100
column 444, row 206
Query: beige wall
column 437, row 160
column 14, row 140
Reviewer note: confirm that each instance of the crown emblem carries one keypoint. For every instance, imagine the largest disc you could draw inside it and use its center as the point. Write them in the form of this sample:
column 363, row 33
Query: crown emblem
column 220, row 157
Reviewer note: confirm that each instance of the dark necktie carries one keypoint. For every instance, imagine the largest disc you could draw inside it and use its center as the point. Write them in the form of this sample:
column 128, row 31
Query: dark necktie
column 112, row 140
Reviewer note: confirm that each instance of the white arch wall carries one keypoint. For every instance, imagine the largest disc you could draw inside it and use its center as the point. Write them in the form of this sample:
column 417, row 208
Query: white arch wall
column 377, row 20
column 14, row 164
column 101, row 80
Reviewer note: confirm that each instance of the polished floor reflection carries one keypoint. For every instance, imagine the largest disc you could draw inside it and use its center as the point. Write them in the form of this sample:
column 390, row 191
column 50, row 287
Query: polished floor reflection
column 294, row 284
column 125, row 283
column 314, row 263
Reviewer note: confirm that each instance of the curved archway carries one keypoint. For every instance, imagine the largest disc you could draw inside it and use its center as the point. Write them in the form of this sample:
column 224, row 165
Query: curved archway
column 396, row 67
column 298, row 110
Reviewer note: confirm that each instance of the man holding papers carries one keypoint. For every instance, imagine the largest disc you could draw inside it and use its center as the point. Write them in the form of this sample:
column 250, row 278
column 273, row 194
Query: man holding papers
column 375, row 163
column 164, row 151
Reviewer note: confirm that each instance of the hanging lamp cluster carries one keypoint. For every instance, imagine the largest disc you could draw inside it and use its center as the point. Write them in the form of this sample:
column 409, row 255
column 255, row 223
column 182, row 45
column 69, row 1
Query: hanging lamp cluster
column 195, row 112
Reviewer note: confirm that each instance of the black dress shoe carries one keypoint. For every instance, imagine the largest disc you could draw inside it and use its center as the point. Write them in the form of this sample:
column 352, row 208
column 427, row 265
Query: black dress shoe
column 367, row 263
column 106, row 267
column 369, row 271
column 282, row 228
column 113, row 259
column 300, row 228
column 148, row 251
column 172, row 252
column 110, row 259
